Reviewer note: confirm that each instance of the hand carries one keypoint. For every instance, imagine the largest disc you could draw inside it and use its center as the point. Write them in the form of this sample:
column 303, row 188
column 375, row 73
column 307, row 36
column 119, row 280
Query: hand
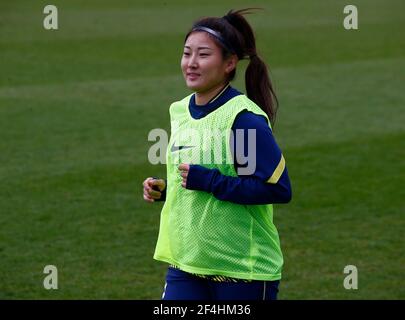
column 184, row 169
column 149, row 194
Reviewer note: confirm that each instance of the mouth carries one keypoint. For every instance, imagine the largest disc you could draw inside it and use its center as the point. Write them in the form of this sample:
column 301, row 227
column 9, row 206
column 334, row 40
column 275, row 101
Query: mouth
column 192, row 75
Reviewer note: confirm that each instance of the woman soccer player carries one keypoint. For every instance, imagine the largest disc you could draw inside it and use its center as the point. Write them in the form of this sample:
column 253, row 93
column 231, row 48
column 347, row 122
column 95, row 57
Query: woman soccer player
column 216, row 228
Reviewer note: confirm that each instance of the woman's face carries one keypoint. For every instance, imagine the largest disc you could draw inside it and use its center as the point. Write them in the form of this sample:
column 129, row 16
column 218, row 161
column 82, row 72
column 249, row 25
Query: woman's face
column 202, row 63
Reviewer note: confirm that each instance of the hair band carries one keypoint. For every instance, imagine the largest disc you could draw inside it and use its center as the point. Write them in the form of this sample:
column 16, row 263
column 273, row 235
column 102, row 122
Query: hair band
column 216, row 35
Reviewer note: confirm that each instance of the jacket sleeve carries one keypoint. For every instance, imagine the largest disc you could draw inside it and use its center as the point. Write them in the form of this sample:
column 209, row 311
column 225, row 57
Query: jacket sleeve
column 268, row 183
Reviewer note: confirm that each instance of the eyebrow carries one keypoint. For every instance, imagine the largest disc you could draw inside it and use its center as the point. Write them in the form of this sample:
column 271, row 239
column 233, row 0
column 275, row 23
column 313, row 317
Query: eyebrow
column 199, row 48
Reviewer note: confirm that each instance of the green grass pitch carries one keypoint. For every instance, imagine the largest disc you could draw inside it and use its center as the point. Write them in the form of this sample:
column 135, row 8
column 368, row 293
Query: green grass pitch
column 76, row 106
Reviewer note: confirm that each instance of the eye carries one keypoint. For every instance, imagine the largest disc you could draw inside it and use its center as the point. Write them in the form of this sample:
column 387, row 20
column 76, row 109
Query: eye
column 204, row 54
column 186, row 54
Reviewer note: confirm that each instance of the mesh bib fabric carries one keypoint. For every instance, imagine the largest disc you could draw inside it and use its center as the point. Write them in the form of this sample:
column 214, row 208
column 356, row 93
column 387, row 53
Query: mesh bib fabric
column 199, row 233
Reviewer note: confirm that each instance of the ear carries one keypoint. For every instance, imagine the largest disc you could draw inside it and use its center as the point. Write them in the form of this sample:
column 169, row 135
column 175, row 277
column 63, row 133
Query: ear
column 231, row 63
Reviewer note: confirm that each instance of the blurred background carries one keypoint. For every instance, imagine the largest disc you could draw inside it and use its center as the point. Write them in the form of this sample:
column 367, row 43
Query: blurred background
column 77, row 104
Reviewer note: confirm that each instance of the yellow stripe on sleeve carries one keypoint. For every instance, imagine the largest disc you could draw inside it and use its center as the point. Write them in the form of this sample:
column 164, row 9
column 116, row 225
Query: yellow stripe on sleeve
column 278, row 171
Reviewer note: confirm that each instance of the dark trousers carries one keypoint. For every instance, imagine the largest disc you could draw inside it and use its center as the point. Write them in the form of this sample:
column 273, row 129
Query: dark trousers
column 181, row 285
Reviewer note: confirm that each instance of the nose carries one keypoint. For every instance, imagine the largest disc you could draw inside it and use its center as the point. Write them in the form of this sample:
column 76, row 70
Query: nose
column 192, row 61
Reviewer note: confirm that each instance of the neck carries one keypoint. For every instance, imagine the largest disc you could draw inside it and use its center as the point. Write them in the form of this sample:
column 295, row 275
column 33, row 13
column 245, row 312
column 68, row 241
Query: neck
column 202, row 98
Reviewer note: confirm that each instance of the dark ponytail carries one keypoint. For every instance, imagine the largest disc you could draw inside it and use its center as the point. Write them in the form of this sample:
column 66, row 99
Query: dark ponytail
column 238, row 38
column 259, row 87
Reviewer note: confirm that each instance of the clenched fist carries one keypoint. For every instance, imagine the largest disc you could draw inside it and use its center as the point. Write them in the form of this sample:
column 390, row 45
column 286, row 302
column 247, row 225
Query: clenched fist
column 152, row 189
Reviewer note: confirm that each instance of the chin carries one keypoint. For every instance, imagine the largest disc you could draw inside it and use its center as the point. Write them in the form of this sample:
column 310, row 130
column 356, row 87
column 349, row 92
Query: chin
column 194, row 86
